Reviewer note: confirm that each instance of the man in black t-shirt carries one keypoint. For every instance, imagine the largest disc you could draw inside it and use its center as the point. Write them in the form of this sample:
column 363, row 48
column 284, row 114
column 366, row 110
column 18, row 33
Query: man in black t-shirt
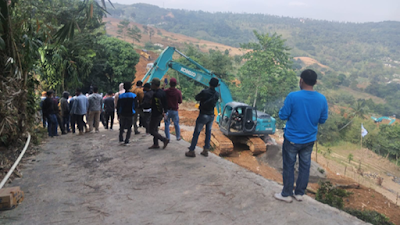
column 208, row 98
column 158, row 109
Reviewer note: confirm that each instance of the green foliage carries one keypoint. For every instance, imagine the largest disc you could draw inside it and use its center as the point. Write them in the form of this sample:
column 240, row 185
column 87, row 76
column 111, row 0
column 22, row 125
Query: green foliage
column 330, row 195
column 350, row 157
column 267, row 73
column 115, row 63
column 369, row 216
column 386, row 142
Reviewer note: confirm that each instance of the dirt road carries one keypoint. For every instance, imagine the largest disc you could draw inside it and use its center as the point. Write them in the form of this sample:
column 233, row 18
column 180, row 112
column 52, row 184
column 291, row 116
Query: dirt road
column 90, row 179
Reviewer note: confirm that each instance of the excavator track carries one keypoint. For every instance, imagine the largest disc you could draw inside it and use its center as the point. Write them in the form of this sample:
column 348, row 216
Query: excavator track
column 223, row 146
column 256, row 144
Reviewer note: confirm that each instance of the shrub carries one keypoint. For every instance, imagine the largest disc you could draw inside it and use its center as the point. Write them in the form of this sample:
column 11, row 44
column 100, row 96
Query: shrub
column 369, row 216
column 330, row 195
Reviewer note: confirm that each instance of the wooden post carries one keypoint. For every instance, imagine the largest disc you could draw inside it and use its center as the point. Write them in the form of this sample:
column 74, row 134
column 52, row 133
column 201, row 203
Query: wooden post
column 345, row 170
column 397, row 197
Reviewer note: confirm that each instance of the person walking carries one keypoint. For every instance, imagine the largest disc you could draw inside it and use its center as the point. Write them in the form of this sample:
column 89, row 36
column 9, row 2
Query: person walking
column 95, row 103
column 174, row 98
column 138, row 91
column 158, row 110
column 109, row 110
column 72, row 116
column 303, row 110
column 125, row 110
column 121, row 91
column 208, row 98
column 146, row 107
column 65, row 111
column 49, row 114
column 42, row 98
column 57, row 111
column 79, row 109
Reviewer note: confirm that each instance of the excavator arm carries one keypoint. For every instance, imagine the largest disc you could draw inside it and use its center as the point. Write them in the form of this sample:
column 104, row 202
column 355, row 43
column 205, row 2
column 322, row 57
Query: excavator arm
column 203, row 76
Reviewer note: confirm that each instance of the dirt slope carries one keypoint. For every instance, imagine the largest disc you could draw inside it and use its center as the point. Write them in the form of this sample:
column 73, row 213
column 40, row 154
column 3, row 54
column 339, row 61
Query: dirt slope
column 169, row 39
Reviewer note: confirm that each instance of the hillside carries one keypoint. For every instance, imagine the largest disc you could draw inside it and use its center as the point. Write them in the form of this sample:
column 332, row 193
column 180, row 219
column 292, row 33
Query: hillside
column 166, row 38
column 344, row 47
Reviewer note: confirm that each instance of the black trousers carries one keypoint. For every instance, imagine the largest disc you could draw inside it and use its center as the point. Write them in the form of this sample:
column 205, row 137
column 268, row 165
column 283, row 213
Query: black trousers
column 73, row 122
column 146, row 121
column 80, row 122
column 109, row 116
column 154, row 123
column 125, row 122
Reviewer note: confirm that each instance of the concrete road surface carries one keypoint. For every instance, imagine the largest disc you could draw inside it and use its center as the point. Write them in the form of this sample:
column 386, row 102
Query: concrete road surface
column 90, row 179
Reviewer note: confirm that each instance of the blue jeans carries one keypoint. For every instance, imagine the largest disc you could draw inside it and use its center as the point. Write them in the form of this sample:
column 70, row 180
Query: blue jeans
column 289, row 153
column 174, row 115
column 52, row 125
column 66, row 120
column 202, row 120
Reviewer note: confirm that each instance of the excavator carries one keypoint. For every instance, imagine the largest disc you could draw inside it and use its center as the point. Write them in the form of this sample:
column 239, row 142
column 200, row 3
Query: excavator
column 378, row 120
column 238, row 122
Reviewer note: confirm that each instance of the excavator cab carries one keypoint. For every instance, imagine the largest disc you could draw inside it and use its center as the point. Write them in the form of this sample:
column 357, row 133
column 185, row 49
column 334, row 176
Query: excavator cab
column 238, row 119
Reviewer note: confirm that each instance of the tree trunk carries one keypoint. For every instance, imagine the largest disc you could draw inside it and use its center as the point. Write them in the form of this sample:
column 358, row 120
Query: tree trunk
column 255, row 97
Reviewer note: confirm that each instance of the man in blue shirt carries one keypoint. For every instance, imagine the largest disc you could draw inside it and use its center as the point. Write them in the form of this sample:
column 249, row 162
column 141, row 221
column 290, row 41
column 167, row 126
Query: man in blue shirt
column 303, row 110
column 79, row 109
column 126, row 105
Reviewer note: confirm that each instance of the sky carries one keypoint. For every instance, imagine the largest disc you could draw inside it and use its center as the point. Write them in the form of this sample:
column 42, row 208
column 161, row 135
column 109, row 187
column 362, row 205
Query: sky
column 336, row 10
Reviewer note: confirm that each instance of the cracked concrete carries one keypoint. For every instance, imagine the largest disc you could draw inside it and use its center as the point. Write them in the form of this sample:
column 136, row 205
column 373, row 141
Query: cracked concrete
column 90, row 179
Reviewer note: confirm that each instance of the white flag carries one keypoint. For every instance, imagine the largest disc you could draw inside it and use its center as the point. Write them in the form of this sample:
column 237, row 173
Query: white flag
column 363, row 131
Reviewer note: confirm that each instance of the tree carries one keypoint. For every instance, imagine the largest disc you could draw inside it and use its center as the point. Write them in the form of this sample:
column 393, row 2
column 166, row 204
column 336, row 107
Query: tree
column 123, row 28
column 350, row 157
column 115, row 63
column 267, row 75
column 134, row 33
column 145, row 29
column 151, row 33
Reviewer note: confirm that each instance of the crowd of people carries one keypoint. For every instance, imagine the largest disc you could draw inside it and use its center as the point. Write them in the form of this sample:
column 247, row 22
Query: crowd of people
column 142, row 105
column 149, row 104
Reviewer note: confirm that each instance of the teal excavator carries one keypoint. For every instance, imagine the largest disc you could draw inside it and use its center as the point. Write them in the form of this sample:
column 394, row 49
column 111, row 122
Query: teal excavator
column 237, row 121
column 378, row 120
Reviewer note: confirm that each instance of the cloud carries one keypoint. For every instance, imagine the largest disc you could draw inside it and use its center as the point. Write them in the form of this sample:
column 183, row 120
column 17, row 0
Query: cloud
column 297, row 4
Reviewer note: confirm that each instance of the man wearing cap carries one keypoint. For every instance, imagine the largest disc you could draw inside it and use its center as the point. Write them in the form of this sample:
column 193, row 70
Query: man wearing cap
column 158, row 111
column 174, row 98
column 208, row 98
column 303, row 110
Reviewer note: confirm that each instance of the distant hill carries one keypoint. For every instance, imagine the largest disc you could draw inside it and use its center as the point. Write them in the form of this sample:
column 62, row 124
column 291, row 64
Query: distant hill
column 345, row 47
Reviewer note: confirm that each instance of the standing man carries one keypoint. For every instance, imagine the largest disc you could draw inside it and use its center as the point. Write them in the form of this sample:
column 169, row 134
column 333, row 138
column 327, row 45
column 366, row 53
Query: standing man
column 303, row 110
column 72, row 116
column 174, row 98
column 79, row 109
column 49, row 114
column 44, row 119
column 57, row 111
column 109, row 110
column 95, row 102
column 138, row 91
column 146, row 106
column 158, row 110
column 125, row 110
column 208, row 98
column 65, row 111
